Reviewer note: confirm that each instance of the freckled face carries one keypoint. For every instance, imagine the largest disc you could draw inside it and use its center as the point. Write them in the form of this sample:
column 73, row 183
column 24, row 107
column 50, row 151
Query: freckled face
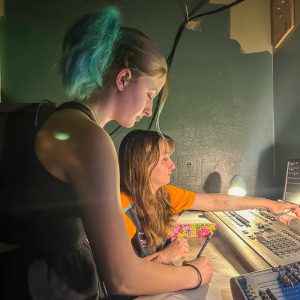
column 137, row 99
column 162, row 172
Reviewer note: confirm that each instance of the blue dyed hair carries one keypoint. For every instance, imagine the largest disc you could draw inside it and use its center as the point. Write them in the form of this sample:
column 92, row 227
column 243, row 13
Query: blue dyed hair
column 88, row 52
column 96, row 48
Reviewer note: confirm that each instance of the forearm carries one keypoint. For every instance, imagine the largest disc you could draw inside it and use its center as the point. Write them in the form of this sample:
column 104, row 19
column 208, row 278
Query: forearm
column 149, row 278
column 223, row 202
column 95, row 182
column 124, row 272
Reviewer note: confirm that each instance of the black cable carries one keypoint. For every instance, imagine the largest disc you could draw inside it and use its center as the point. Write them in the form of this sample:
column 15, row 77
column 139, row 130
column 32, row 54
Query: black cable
column 118, row 131
column 115, row 130
column 171, row 56
column 197, row 7
column 169, row 63
column 177, row 38
column 172, row 52
column 180, row 31
column 218, row 9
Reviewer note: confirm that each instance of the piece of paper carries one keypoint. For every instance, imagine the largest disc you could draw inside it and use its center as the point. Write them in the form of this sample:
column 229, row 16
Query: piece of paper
column 218, row 289
column 192, row 218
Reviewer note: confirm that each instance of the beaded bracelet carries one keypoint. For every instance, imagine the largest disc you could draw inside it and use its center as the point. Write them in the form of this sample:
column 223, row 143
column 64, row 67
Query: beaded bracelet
column 198, row 272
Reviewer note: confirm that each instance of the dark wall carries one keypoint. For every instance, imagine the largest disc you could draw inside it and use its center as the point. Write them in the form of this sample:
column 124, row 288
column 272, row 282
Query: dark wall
column 1, row 45
column 287, row 103
column 220, row 108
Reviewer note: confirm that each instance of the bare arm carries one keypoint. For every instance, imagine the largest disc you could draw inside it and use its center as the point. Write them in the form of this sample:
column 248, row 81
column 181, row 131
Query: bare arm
column 88, row 161
column 99, row 195
column 178, row 249
column 223, row 202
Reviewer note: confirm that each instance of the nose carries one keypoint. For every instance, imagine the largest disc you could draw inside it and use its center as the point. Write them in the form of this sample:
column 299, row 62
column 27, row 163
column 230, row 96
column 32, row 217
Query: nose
column 172, row 165
column 148, row 109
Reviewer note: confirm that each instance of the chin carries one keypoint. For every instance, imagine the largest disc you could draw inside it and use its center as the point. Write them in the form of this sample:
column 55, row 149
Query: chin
column 127, row 123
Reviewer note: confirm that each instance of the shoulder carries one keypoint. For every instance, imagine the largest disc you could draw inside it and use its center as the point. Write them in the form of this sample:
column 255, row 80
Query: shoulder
column 70, row 140
column 176, row 190
column 179, row 197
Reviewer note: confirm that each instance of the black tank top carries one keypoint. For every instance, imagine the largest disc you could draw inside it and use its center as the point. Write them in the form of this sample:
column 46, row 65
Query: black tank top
column 38, row 202
column 41, row 215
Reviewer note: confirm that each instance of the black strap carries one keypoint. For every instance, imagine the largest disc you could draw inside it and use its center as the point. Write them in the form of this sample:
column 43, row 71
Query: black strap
column 140, row 238
column 79, row 106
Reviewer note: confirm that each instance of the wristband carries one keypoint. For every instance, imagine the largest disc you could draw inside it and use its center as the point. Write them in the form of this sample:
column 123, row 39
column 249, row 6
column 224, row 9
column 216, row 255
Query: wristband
column 198, row 273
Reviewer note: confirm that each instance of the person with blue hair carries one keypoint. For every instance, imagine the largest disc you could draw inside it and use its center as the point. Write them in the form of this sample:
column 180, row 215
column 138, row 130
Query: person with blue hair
column 65, row 207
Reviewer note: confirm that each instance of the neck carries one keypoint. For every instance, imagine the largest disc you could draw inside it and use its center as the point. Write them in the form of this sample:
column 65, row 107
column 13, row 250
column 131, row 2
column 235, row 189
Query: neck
column 100, row 111
column 154, row 189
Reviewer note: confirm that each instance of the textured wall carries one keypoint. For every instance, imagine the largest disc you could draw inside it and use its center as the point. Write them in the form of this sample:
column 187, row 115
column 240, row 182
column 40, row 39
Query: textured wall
column 1, row 38
column 287, row 101
column 220, row 109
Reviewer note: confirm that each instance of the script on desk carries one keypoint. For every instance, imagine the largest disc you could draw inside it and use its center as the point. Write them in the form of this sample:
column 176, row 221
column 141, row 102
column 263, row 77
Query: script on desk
column 193, row 224
column 218, row 289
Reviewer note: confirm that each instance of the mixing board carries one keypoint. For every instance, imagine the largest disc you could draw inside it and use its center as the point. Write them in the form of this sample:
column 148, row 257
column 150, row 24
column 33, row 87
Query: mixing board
column 262, row 241
column 273, row 242
column 282, row 282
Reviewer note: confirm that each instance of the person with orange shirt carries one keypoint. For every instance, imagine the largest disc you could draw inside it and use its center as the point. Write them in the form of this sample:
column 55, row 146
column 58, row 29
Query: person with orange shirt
column 150, row 204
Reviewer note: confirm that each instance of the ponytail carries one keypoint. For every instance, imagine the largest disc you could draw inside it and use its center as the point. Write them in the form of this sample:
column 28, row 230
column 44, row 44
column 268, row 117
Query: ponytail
column 88, row 51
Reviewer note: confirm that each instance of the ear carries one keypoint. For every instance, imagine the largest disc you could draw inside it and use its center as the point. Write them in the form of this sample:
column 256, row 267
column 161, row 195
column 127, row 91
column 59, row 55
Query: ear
column 123, row 78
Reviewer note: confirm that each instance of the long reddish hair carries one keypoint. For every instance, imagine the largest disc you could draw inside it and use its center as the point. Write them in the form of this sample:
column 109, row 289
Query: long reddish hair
column 138, row 151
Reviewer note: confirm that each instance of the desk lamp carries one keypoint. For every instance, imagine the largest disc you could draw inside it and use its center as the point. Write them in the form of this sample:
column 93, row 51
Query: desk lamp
column 237, row 186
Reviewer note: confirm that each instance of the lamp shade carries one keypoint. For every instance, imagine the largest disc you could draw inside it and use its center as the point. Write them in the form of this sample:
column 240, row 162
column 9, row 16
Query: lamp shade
column 237, row 186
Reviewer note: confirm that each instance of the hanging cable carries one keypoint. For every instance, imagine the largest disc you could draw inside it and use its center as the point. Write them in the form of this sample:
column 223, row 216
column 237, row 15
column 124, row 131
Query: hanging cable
column 115, row 130
column 119, row 129
column 171, row 56
column 115, row 133
column 189, row 17
column 178, row 36
column 217, row 10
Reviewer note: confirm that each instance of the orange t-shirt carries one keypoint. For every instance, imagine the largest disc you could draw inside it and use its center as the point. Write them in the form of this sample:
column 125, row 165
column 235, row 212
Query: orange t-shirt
column 181, row 199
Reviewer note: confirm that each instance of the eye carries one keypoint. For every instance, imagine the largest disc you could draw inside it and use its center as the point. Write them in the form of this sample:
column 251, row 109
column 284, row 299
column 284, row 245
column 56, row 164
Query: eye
column 150, row 96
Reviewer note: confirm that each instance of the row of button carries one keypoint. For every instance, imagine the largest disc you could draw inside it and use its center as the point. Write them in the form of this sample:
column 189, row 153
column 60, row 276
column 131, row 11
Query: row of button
column 279, row 244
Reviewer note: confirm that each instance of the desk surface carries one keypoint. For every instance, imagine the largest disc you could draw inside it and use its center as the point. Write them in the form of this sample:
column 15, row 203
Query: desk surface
column 224, row 261
column 222, row 258
column 225, row 265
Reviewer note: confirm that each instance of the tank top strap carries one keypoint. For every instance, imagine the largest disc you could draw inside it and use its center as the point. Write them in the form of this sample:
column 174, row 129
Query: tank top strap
column 139, row 241
column 79, row 106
